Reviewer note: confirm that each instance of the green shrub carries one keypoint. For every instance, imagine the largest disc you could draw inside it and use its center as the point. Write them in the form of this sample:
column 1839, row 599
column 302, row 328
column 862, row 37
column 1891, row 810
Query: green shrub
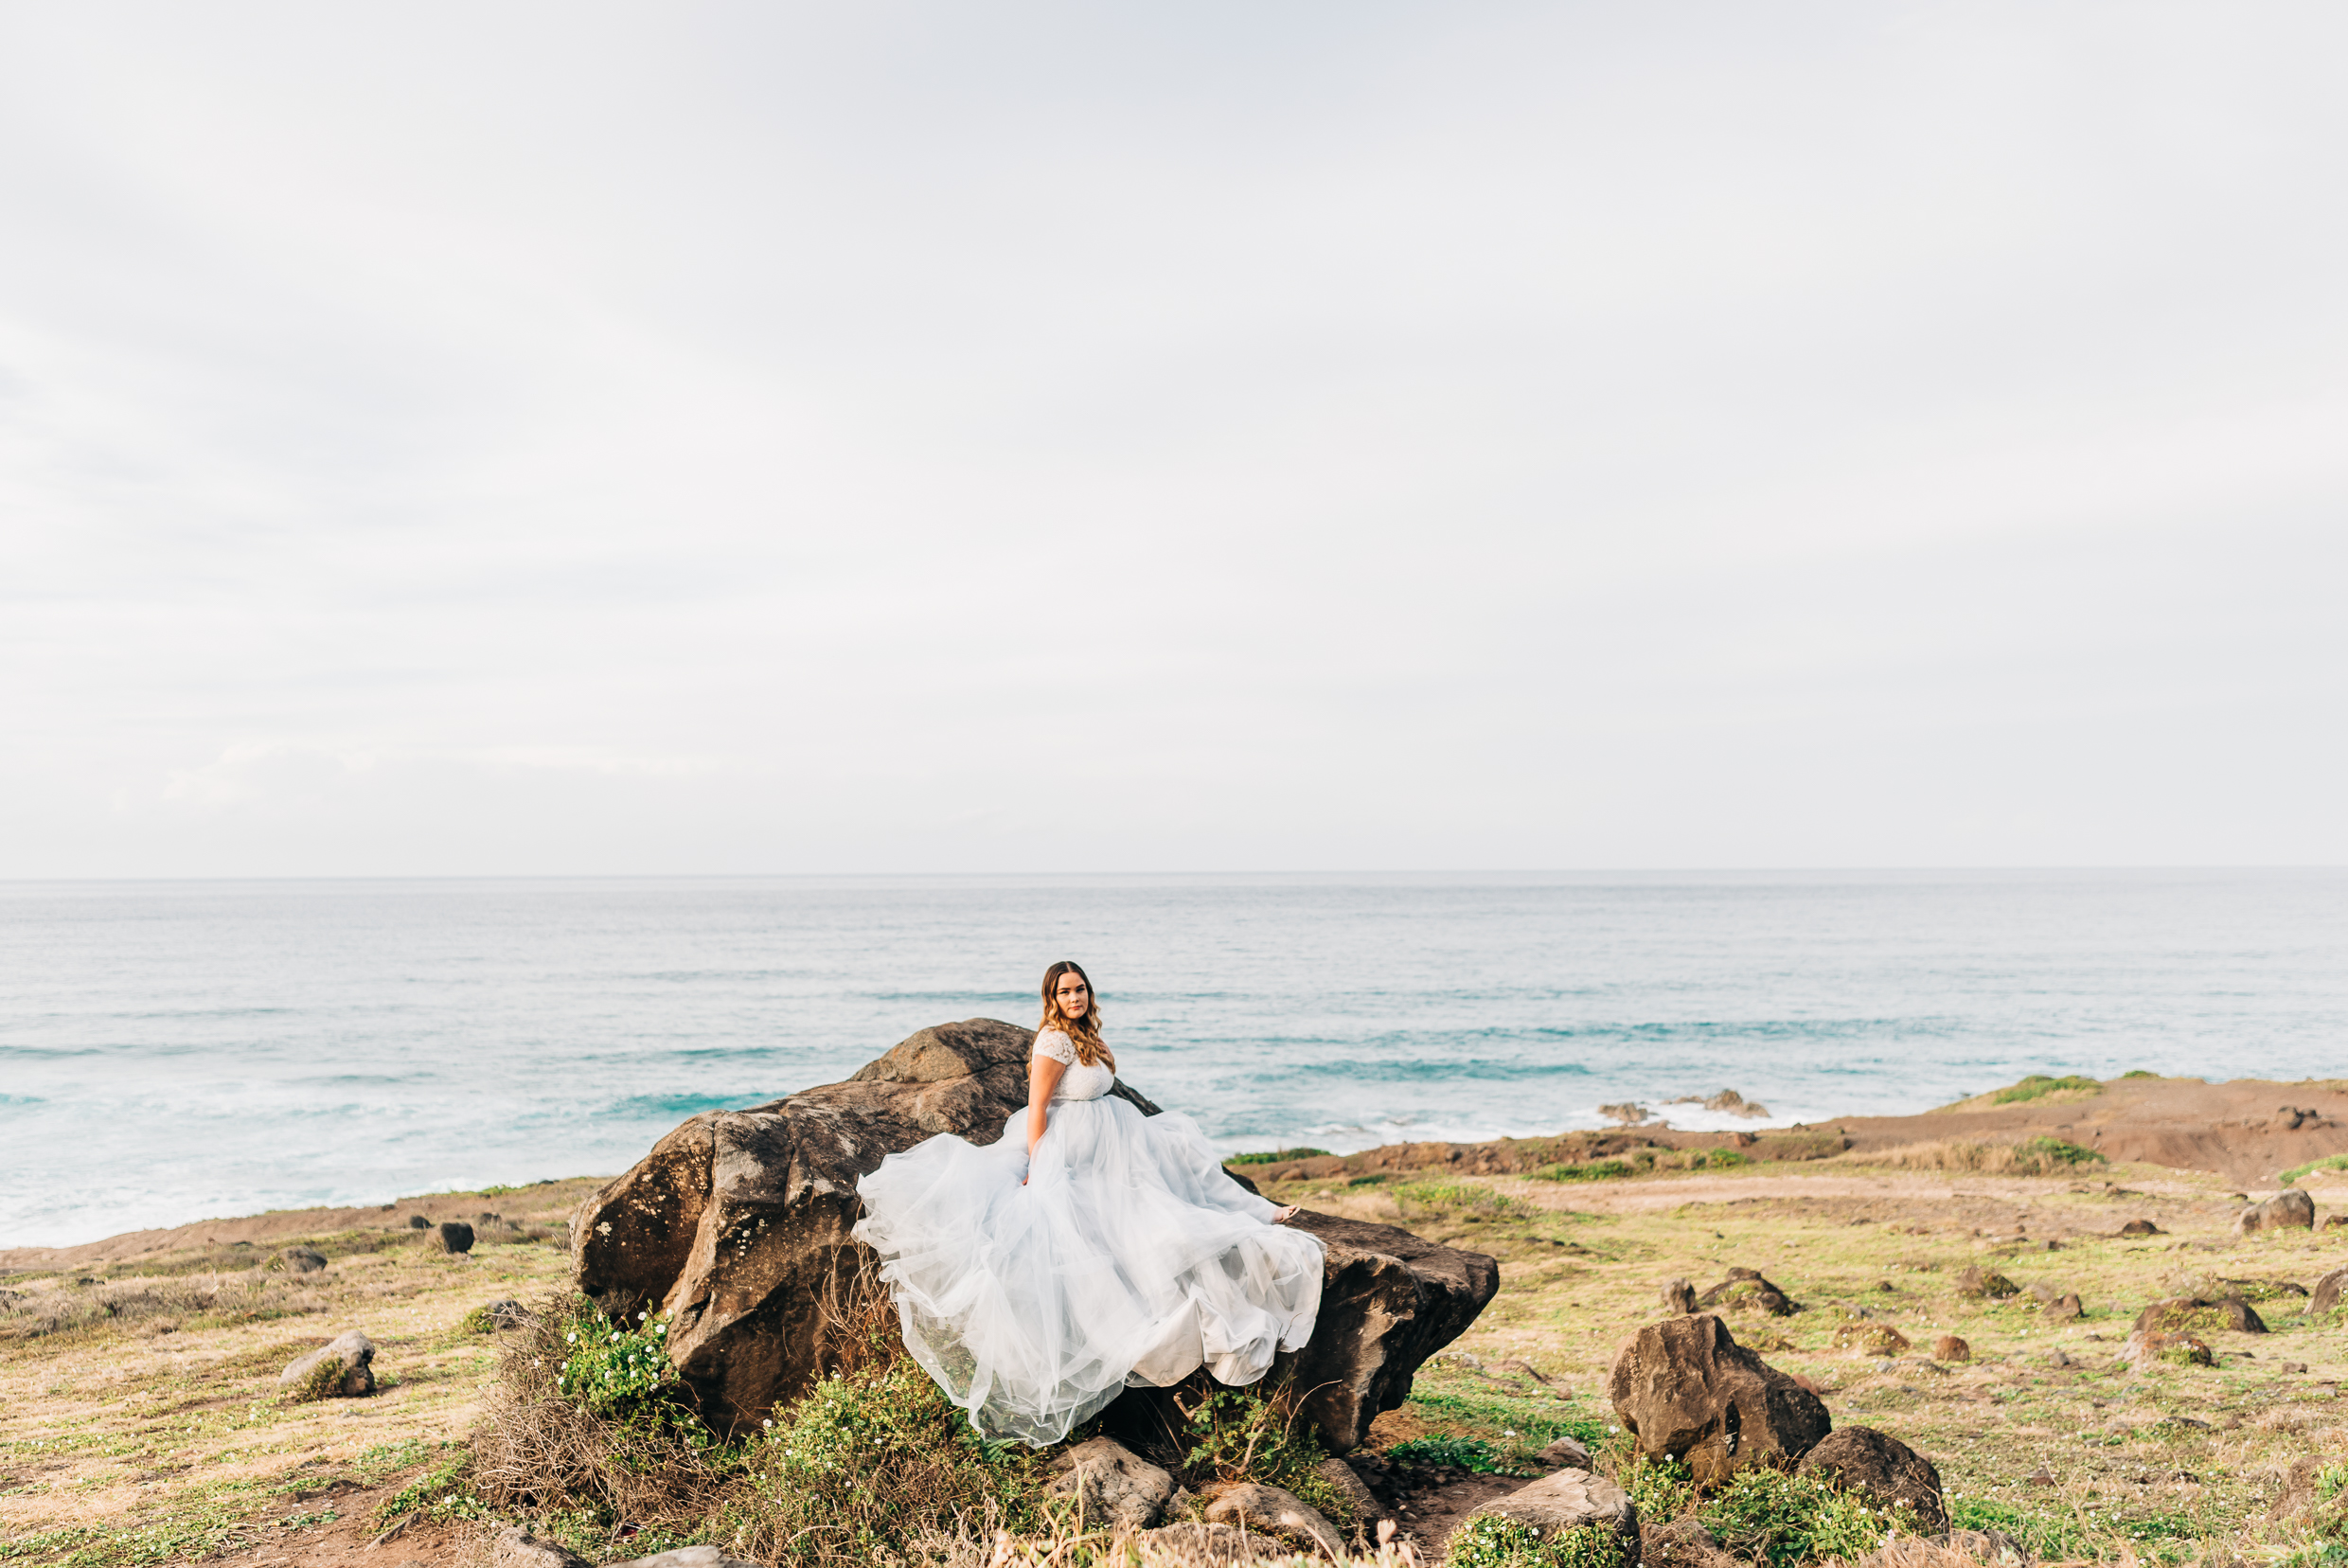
column 1663, row 1489
column 1276, row 1157
column 2045, row 1534
column 1487, row 1541
column 1452, row 1195
column 2049, row 1152
column 2038, row 1085
column 1782, row 1518
column 1467, row 1454
column 2138, row 1072
column 1595, row 1170
column 1719, row 1159
column 608, row 1369
column 1241, row 1435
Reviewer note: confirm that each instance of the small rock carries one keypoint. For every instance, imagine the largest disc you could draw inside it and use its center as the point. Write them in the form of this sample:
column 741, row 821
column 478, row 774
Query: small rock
column 2060, row 1358
column 1347, row 1483
column 1111, row 1485
column 2334, row 1220
column 504, row 1314
column 1977, row 1281
column 2194, row 1312
column 451, row 1236
column 2063, row 1308
column 2146, row 1346
column 1865, row 1461
column 1567, row 1453
column 1679, row 1296
column 2294, row 1366
column 416, row 1222
column 2039, row 1477
column 1871, row 1339
column 1568, row 1499
column 1268, row 1510
column 1744, row 1290
column 2286, row 1210
column 343, row 1370
column 1683, row 1543
column 2327, row 1291
column 685, row 1557
column 518, row 1548
column 1951, row 1348
column 301, row 1260
column 2142, row 1227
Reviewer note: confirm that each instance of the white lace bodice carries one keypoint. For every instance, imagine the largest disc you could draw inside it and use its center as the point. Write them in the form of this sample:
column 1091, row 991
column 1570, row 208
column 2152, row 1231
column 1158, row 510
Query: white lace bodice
column 1079, row 1082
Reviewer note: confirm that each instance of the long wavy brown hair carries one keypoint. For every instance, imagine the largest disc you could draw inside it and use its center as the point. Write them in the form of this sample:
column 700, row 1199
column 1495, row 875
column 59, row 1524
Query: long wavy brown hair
column 1083, row 1033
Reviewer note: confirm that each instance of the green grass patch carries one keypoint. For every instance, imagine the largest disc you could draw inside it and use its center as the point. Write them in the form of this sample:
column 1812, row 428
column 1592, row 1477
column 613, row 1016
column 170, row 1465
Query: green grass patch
column 1467, row 1454
column 2049, row 1152
column 1487, row 1541
column 1593, row 1171
column 1276, row 1156
column 1782, row 1519
column 2046, row 1534
column 2038, row 1086
column 2329, row 1161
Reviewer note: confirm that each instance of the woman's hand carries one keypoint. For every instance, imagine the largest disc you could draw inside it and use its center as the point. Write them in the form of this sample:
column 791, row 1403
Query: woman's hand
column 1288, row 1213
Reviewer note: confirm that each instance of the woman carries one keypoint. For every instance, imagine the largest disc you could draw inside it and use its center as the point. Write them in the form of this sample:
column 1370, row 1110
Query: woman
column 1092, row 1247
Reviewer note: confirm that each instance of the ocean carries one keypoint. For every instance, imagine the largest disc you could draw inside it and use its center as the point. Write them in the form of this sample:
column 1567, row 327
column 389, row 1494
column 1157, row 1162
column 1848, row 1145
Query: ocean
column 174, row 1051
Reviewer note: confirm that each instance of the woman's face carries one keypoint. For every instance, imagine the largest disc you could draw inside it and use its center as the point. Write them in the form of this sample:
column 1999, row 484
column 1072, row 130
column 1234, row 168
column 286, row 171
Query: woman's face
column 1074, row 996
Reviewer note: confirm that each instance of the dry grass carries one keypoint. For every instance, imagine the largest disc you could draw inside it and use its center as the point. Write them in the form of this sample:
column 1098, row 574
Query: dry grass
column 2025, row 1157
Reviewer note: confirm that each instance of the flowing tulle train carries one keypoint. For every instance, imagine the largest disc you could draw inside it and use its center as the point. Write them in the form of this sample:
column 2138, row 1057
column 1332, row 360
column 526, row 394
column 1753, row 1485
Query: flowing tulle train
column 1128, row 1257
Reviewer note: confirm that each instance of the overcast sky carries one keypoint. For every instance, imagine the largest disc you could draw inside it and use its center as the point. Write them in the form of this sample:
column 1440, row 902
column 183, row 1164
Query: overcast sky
column 575, row 438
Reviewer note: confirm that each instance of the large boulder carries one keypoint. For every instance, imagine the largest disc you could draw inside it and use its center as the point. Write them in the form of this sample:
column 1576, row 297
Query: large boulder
column 343, row 1369
column 2327, row 1291
column 1688, row 1391
column 2195, row 1314
column 1883, row 1470
column 2286, row 1210
column 736, row 1227
column 1568, row 1501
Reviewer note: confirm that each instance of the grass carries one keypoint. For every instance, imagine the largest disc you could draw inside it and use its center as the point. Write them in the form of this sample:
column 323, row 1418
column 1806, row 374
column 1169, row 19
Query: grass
column 2039, row 1156
column 1276, row 1156
column 2297, row 1173
column 2038, row 1086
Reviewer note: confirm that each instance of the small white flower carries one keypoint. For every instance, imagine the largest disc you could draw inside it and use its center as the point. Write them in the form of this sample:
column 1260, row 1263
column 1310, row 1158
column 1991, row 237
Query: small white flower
column 641, row 1316
column 768, row 1422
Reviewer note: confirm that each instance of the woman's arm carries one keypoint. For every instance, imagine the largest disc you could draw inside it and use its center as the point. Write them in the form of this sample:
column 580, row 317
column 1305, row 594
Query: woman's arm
column 1043, row 1076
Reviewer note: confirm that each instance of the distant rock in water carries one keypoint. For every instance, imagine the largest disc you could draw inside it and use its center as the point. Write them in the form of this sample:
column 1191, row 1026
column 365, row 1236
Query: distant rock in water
column 1626, row 1113
column 1727, row 1100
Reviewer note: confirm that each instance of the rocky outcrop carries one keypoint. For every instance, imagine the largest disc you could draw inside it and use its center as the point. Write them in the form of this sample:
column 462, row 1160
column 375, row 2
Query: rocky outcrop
column 2327, row 1291
column 1110, row 1486
column 2146, row 1346
column 1569, row 1500
column 2063, row 1308
column 299, row 1261
column 343, row 1370
column 736, row 1226
column 1745, row 1290
column 2290, row 1209
column 1679, row 1296
column 2195, row 1314
column 1975, row 1280
column 1688, row 1391
column 1883, row 1470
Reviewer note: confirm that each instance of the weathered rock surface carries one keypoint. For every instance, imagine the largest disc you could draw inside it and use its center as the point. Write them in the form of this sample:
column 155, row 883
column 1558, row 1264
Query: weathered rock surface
column 299, row 1261
column 1688, row 1391
column 1569, row 1500
column 2147, row 1346
column 1110, row 1485
column 2194, row 1313
column 1268, row 1510
column 2063, row 1308
column 1871, row 1339
column 2286, row 1210
column 507, row 1313
column 1683, row 1543
column 2142, row 1227
column 2327, row 1291
column 2301, row 1493
column 343, row 1370
column 1977, row 1281
column 450, row 1236
column 1679, row 1296
column 518, row 1548
column 1949, row 1348
column 1567, row 1453
column 735, row 1225
column 1745, row 1290
column 685, row 1557
column 1863, row 1460
column 1347, row 1483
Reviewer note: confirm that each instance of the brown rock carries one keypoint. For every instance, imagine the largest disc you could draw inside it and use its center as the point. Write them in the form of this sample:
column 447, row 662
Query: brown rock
column 1347, row 1483
column 2194, row 1313
column 2142, row 1227
column 1569, row 1500
column 1977, row 1281
column 1679, row 1296
column 1745, row 1290
column 2147, row 1346
column 2064, row 1308
column 450, row 1236
column 2327, row 1291
column 1687, row 1390
column 735, row 1225
column 1110, row 1485
column 1871, row 1339
column 1567, row 1453
column 2290, row 1209
column 1888, row 1471
column 1268, row 1510
column 518, row 1548
column 1951, row 1348
column 343, row 1370
column 299, row 1261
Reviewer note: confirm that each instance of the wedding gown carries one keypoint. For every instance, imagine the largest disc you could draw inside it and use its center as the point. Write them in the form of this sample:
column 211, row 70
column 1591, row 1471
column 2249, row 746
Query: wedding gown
column 1128, row 1259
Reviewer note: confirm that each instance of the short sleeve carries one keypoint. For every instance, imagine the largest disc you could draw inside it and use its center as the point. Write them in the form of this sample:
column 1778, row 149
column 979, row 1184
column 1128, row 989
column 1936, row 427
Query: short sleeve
column 1053, row 1043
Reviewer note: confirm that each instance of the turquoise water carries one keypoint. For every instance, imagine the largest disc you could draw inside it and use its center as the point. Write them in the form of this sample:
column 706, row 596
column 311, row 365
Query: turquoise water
column 173, row 1051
